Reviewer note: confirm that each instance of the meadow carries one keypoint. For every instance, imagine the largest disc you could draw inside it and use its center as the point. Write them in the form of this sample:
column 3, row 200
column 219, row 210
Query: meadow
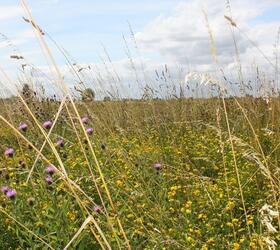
column 150, row 175
column 172, row 172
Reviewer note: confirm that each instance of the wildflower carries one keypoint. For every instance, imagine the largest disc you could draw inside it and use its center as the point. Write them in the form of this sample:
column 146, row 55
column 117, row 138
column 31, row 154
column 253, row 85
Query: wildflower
column 189, row 239
column 254, row 246
column 236, row 246
column 71, row 216
column 97, row 209
column 60, row 142
column 9, row 152
column 49, row 180
column 85, row 120
column 47, row 124
column 23, row 127
column 204, row 247
column 89, row 131
column 12, row 193
column 157, row 166
column 119, row 183
column 50, row 169
column 230, row 206
column 4, row 189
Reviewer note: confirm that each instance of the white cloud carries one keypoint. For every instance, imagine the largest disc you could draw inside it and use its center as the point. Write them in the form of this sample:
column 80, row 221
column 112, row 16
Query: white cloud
column 10, row 11
column 183, row 37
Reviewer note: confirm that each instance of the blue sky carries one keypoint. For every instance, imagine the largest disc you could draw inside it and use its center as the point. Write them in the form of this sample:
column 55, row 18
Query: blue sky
column 171, row 32
column 82, row 26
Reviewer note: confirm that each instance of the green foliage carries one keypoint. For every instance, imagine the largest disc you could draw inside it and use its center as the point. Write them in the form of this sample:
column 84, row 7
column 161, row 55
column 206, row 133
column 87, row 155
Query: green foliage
column 192, row 202
column 88, row 94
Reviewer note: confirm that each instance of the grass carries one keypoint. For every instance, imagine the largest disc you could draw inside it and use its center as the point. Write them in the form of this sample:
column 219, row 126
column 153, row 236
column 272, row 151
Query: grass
column 192, row 202
column 170, row 173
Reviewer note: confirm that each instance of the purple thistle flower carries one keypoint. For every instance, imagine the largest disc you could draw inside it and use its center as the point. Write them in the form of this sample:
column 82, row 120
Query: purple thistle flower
column 60, row 142
column 12, row 193
column 4, row 189
column 89, row 131
column 157, row 166
column 49, row 180
column 9, row 152
column 97, row 209
column 23, row 127
column 50, row 169
column 85, row 120
column 47, row 124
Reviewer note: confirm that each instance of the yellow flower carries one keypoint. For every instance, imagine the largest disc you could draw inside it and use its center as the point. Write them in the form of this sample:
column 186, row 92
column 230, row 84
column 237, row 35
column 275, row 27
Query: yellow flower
column 200, row 216
column 229, row 224
column 119, row 183
column 235, row 221
column 210, row 241
column 188, row 211
column 188, row 203
column 236, row 246
column 253, row 245
column 189, row 239
column 250, row 222
column 230, row 206
column 204, row 247
column 71, row 216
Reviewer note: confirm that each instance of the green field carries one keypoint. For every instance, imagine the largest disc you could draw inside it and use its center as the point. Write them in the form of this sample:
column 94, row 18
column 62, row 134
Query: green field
column 217, row 168
column 177, row 149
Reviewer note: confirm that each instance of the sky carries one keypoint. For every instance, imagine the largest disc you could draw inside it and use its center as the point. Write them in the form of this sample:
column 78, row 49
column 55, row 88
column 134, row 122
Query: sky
column 166, row 32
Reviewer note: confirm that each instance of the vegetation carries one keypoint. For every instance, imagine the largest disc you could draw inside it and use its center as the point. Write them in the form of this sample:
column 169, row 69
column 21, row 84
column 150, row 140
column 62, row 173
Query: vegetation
column 190, row 199
column 88, row 95
column 153, row 173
